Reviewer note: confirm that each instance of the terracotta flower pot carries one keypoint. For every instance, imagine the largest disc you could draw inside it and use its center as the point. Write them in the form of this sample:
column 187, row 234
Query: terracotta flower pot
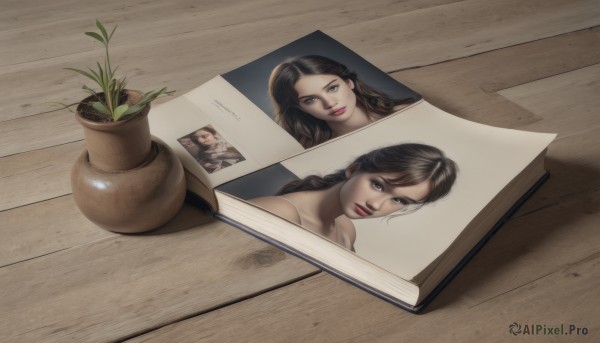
column 126, row 181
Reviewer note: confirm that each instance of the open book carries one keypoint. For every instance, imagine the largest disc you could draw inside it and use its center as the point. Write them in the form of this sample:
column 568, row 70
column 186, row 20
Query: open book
column 316, row 151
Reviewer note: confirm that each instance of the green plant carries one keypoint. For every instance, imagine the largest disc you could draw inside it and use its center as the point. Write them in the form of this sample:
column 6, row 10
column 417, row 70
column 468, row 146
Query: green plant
column 108, row 104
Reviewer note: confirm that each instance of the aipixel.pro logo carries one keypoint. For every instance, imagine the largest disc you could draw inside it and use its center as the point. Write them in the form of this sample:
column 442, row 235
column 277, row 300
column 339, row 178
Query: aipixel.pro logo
column 516, row 329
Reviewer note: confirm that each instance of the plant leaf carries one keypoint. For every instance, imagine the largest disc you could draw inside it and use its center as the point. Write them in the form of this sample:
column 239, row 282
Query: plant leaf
column 96, row 36
column 98, row 106
column 83, row 72
column 113, row 31
column 149, row 96
column 119, row 112
column 133, row 109
column 111, row 87
column 102, row 78
column 102, row 30
column 101, row 73
column 91, row 91
column 122, row 83
column 96, row 76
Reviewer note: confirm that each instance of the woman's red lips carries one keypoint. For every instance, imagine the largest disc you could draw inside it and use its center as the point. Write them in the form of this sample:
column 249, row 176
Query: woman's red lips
column 363, row 212
column 339, row 112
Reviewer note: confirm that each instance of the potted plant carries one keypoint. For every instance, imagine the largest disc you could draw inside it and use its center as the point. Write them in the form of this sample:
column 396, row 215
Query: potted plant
column 125, row 181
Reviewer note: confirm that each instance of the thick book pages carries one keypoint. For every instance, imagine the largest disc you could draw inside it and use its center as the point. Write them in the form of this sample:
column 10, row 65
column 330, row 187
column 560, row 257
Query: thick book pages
column 387, row 224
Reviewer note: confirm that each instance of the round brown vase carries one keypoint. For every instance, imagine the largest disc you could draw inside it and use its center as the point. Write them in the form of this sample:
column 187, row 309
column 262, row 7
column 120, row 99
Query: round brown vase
column 125, row 181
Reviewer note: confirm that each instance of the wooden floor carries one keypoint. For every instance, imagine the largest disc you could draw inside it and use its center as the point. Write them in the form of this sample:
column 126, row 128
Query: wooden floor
column 532, row 65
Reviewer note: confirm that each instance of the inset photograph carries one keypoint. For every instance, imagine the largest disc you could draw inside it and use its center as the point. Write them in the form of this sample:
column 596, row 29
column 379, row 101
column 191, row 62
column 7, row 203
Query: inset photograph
column 210, row 150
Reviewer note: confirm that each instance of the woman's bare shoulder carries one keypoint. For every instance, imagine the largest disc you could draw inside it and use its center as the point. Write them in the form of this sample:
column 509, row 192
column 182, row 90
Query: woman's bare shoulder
column 279, row 206
column 346, row 226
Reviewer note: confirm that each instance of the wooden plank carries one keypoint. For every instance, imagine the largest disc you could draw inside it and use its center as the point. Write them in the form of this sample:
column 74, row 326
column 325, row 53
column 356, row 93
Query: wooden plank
column 469, row 87
column 196, row 40
column 25, row 27
column 126, row 284
column 462, row 29
column 574, row 167
column 567, row 104
column 568, row 101
column 390, row 39
column 38, row 132
column 44, row 228
column 324, row 309
column 566, row 297
column 26, row 230
column 38, row 175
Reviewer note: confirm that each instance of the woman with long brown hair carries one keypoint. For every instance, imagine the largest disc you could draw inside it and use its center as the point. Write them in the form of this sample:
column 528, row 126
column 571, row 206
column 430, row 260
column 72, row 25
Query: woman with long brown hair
column 396, row 179
column 317, row 98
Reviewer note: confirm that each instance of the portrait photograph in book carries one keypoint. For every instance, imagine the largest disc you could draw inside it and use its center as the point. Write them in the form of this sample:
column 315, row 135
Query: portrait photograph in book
column 316, row 99
column 210, row 150
column 385, row 182
column 317, row 89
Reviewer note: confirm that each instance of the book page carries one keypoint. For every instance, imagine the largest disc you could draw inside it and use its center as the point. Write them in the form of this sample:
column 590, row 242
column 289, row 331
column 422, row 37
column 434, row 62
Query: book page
column 246, row 139
column 250, row 124
column 487, row 157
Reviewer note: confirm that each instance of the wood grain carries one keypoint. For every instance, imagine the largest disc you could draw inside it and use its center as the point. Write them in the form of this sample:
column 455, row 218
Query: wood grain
column 38, row 132
column 37, row 175
column 178, row 44
column 472, row 87
column 409, row 40
column 323, row 308
column 26, row 26
column 44, row 228
column 57, row 224
column 560, row 98
column 197, row 52
column 123, row 285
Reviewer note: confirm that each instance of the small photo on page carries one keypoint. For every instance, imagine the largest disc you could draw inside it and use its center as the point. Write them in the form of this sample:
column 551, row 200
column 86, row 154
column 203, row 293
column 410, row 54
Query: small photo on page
column 210, row 150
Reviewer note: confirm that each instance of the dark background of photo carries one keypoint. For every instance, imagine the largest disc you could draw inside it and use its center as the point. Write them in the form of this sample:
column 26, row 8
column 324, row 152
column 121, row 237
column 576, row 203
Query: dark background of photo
column 263, row 182
column 252, row 79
